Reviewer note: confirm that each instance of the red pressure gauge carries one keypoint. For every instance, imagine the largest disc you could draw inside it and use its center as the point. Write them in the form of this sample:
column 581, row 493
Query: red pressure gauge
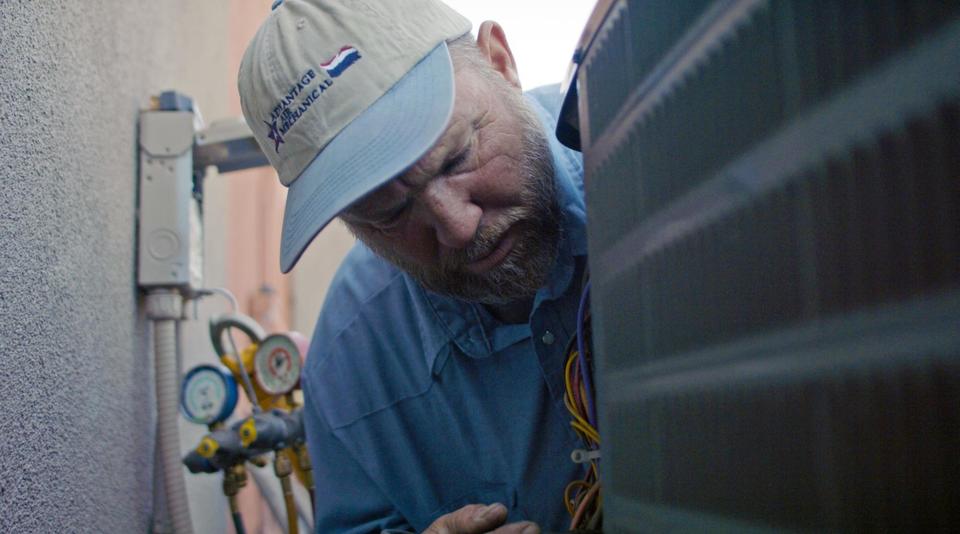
column 277, row 364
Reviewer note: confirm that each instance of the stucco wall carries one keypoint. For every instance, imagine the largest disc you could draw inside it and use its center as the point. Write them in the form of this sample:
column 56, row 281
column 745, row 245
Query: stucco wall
column 76, row 383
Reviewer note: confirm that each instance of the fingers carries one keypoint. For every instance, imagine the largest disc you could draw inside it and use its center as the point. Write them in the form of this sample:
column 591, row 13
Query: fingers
column 479, row 519
column 523, row 527
column 472, row 518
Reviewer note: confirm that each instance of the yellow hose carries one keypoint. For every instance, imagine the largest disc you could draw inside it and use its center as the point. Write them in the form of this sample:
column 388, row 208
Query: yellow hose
column 282, row 467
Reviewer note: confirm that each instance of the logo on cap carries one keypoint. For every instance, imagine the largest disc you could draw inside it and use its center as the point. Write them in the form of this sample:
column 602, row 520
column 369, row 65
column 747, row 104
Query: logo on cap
column 275, row 135
column 347, row 56
column 288, row 110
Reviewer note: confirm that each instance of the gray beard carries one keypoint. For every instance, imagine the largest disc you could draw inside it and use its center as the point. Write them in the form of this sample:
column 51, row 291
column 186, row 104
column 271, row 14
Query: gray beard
column 538, row 224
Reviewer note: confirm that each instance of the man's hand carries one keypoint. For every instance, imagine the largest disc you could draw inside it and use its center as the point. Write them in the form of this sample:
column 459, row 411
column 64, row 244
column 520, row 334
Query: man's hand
column 480, row 519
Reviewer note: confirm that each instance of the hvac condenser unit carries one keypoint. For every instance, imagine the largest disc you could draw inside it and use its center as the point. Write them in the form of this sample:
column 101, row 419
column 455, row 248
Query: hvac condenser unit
column 773, row 193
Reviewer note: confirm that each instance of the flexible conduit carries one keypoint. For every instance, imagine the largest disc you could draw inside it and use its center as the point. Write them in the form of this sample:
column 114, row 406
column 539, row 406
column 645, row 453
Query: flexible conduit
column 163, row 307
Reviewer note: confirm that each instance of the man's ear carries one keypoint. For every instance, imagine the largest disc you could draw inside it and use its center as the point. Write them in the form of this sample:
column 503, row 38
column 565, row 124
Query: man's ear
column 493, row 45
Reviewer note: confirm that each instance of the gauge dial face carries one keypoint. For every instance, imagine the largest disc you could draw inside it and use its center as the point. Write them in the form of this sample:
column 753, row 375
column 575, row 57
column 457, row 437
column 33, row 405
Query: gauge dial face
column 277, row 364
column 205, row 395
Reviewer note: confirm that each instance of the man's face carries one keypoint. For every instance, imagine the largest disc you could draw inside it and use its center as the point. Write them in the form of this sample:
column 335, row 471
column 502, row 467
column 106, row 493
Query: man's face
column 477, row 217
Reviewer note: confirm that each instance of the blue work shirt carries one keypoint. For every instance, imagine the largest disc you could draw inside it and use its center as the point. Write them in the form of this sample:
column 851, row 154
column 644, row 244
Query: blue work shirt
column 418, row 404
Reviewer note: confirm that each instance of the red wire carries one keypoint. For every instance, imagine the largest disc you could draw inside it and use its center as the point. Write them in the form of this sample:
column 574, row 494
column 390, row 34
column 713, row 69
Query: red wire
column 584, row 504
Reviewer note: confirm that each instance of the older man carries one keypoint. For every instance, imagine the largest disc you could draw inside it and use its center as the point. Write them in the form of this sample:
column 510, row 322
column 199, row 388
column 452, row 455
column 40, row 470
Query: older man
column 434, row 381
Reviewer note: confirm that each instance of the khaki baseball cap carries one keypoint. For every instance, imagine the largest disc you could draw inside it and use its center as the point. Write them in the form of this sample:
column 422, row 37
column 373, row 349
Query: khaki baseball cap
column 342, row 96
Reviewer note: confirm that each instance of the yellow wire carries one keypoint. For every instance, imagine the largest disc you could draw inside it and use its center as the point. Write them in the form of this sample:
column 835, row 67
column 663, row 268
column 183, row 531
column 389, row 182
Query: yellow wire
column 580, row 423
column 568, row 398
column 576, row 414
column 567, row 499
column 566, row 371
column 586, row 430
column 590, row 435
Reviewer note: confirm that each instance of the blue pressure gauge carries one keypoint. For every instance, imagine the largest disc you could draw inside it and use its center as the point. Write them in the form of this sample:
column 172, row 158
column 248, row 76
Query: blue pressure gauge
column 208, row 395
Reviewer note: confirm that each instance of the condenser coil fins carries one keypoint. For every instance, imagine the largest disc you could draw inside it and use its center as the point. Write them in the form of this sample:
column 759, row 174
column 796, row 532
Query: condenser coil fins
column 773, row 193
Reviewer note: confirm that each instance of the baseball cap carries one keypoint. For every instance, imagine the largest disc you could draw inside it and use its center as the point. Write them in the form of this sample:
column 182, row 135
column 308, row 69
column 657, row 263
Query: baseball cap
column 342, row 96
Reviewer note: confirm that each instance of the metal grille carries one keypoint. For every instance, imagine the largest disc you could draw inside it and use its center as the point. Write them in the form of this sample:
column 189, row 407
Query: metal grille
column 635, row 39
column 769, row 67
column 877, row 224
column 862, row 437
column 773, row 193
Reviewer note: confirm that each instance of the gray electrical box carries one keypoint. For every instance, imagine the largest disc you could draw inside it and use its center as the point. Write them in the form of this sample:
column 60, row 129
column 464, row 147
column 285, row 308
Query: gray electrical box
column 175, row 155
column 170, row 225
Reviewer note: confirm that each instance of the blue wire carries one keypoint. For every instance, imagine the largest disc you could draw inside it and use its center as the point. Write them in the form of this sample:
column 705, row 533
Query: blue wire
column 581, row 356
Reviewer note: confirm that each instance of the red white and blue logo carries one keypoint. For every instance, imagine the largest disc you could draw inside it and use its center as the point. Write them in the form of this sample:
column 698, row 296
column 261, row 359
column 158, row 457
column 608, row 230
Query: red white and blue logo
column 340, row 62
column 304, row 93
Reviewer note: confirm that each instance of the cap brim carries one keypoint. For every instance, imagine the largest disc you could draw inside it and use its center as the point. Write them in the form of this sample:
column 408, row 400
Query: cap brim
column 382, row 142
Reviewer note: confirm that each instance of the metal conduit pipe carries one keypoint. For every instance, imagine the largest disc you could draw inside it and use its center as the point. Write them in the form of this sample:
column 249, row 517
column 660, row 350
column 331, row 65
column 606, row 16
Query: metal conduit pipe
column 164, row 309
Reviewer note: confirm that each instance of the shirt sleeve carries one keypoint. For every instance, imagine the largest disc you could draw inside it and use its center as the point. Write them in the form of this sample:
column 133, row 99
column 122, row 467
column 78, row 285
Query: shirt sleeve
column 347, row 500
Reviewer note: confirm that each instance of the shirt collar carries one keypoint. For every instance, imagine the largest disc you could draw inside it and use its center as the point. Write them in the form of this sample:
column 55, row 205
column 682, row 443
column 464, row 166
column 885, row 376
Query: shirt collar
column 467, row 325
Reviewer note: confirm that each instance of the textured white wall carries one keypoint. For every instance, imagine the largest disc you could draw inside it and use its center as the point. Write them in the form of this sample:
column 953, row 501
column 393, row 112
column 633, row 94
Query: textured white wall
column 76, row 385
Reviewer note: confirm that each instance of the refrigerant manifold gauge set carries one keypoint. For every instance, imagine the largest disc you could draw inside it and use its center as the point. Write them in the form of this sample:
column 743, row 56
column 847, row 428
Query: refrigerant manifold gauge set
column 267, row 369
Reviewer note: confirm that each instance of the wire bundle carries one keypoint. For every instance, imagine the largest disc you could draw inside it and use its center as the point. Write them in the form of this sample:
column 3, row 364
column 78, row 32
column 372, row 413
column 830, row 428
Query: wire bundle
column 582, row 497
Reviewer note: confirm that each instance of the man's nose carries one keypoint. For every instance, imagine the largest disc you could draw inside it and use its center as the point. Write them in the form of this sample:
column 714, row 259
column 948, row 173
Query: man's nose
column 451, row 212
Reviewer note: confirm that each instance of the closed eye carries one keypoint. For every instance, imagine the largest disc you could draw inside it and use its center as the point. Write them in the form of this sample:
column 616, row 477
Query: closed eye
column 453, row 165
column 392, row 219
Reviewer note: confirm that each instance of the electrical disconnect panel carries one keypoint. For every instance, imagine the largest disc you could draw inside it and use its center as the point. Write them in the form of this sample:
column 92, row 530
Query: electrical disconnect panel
column 170, row 231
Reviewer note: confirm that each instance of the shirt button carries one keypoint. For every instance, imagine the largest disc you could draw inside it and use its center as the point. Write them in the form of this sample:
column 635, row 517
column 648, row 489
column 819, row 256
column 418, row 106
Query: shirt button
column 547, row 338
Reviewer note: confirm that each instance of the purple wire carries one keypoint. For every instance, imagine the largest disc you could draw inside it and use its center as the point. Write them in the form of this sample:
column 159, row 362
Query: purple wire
column 581, row 356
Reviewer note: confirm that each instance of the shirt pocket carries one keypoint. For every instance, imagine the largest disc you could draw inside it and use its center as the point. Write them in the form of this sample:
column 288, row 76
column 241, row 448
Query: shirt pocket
column 483, row 492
